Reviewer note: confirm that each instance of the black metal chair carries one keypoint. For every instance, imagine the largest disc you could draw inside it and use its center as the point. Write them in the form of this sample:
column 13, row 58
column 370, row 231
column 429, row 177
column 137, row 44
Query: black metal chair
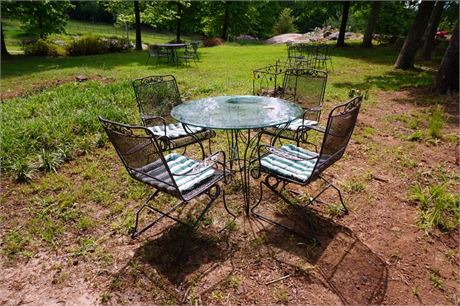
column 141, row 152
column 187, row 55
column 302, row 55
column 292, row 164
column 195, row 45
column 305, row 87
column 322, row 57
column 157, row 52
column 156, row 96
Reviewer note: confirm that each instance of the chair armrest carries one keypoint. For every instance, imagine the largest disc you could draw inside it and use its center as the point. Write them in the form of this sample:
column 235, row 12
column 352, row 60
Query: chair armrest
column 313, row 109
column 205, row 164
column 150, row 120
column 318, row 129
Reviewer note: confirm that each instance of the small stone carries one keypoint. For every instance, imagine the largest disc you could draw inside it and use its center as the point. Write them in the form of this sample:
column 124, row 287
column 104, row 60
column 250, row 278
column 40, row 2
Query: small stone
column 75, row 262
column 81, row 78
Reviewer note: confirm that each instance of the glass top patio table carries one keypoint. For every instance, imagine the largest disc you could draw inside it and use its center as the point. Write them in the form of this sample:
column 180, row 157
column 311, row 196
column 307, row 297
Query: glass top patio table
column 236, row 112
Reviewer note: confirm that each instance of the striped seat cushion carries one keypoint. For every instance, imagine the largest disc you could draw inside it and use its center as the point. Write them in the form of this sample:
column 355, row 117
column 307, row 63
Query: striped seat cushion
column 295, row 124
column 299, row 170
column 179, row 164
column 173, row 130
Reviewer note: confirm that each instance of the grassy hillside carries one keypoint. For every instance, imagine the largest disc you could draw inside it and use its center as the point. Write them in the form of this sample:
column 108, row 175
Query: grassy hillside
column 14, row 34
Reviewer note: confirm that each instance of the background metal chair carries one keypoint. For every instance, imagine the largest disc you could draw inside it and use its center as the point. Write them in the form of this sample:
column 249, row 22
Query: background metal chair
column 322, row 58
column 156, row 96
column 305, row 87
column 187, row 55
column 157, row 52
column 296, row 165
column 195, row 45
column 184, row 178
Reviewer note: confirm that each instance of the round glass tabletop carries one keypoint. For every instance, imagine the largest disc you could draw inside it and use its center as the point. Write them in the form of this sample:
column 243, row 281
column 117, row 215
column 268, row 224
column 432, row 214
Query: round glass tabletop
column 236, row 112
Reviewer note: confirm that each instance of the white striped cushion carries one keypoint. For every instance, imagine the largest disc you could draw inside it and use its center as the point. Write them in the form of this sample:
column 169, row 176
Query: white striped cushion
column 179, row 164
column 173, row 130
column 295, row 124
column 299, row 170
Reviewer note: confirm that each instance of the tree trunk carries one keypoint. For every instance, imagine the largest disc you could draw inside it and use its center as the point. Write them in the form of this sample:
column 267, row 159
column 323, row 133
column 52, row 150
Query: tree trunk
column 40, row 26
column 178, row 21
column 137, row 15
column 430, row 32
column 372, row 22
column 226, row 21
column 4, row 50
column 413, row 39
column 343, row 24
column 447, row 77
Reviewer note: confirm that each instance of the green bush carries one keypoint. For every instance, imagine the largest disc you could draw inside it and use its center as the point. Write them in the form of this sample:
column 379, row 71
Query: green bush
column 214, row 41
column 44, row 47
column 90, row 44
column 86, row 45
column 285, row 23
column 116, row 44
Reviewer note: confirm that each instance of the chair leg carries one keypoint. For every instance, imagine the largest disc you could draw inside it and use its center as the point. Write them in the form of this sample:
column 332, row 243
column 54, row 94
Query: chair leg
column 167, row 214
column 226, row 207
column 329, row 184
column 299, row 209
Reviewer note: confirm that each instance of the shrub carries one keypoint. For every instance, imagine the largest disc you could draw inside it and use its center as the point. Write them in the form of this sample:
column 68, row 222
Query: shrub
column 436, row 123
column 22, row 171
column 285, row 23
column 44, row 47
column 438, row 208
column 214, row 41
column 86, row 45
column 116, row 44
column 90, row 44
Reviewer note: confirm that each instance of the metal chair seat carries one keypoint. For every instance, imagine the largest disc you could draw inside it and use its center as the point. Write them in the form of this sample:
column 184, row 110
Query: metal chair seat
column 174, row 130
column 183, row 171
column 286, row 164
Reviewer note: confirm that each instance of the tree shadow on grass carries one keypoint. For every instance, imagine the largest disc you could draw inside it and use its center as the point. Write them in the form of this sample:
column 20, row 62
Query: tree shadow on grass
column 394, row 80
column 346, row 265
column 18, row 65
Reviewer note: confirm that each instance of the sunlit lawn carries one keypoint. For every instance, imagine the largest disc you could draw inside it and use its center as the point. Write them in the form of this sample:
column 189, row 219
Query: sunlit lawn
column 65, row 117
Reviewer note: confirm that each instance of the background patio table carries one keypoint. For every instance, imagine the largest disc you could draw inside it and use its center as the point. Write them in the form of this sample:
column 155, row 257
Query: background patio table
column 238, row 115
column 172, row 50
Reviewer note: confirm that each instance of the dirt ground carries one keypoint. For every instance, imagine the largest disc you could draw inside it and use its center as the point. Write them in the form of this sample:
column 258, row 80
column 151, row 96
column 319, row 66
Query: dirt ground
column 374, row 255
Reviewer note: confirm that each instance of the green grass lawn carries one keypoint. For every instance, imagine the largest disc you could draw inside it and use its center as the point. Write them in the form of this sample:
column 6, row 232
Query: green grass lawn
column 64, row 118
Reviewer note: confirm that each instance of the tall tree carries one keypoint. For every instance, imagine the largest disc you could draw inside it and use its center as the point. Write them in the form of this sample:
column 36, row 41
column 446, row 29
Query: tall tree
column 372, row 22
column 413, row 39
column 226, row 20
column 42, row 17
column 4, row 50
column 428, row 43
column 447, row 77
column 137, row 16
column 178, row 20
column 343, row 24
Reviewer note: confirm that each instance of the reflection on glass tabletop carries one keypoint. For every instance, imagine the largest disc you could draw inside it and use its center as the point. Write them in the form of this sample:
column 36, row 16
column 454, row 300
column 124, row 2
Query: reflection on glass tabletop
column 236, row 112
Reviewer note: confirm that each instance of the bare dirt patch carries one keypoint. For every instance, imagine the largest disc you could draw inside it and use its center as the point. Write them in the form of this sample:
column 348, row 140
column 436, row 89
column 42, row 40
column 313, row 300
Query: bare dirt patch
column 374, row 255
column 47, row 84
